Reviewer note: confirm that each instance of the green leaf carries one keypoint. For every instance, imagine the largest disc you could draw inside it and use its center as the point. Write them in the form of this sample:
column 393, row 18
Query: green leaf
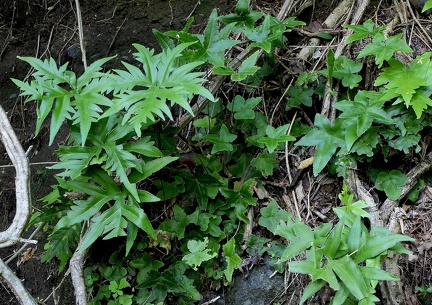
column 247, row 68
column 178, row 225
column 75, row 160
column 60, row 244
column 428, row 5
column 232, row 259
column 391, row 183
column 144, row 147
column 346, row 70
column 312, row 288
column 377, row 245
column 147, row 169
column 265, row 163
column 243, row 109
column 327, row 138
column 355, row 234
column 333, row 242
column 299, row 96
column 223, row 141
column 271, row 216
column 363, row 31
column 330, row 66
column 303, row 239
column 119, row 160
column 360, row 114
column 198, row 253
column 242, row 7
column 274, row 136
column 145, row 93
column 113, row 222
column 383, row 49
column 349, row 273
column 373, row 273
column 404, row 82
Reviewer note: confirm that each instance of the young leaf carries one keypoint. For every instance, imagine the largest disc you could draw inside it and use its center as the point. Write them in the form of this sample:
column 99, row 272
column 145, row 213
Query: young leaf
column 334, row 240
column 346, row 69
column 330, row 66
column 354, row 236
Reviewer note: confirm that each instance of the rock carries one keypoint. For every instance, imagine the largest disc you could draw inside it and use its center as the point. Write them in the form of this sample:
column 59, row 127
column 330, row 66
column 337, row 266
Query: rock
column 257, row 287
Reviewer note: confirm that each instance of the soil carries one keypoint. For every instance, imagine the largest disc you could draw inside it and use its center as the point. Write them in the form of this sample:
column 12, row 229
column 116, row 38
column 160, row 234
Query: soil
column 47, row 28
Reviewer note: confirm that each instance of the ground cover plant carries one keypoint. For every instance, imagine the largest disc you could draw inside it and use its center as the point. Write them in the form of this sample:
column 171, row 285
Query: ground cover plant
column 176, row 201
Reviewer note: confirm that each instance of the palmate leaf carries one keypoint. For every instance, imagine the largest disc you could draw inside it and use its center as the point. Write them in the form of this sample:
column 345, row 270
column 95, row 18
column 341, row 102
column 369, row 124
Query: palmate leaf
column 274, row 136
column 179, row 223
column 391, row 183
column 360, row 114
column 82, row 100
column 243, row 109
column 162, row 80
column 222, row 142
column 383, row 49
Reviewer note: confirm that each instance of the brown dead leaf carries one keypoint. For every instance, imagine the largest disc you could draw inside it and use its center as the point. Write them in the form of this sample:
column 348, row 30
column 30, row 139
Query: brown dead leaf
column 27, row 255
column 306, row 163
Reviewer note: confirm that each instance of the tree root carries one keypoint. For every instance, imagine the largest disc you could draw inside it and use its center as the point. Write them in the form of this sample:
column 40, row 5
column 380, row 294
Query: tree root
column 23, row 206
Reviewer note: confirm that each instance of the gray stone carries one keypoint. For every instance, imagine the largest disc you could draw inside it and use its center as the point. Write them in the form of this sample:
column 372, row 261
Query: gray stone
column 256, row 287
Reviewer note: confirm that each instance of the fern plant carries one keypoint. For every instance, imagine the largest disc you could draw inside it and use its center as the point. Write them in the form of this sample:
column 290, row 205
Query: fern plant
column 109, row 181
column 108, row 157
